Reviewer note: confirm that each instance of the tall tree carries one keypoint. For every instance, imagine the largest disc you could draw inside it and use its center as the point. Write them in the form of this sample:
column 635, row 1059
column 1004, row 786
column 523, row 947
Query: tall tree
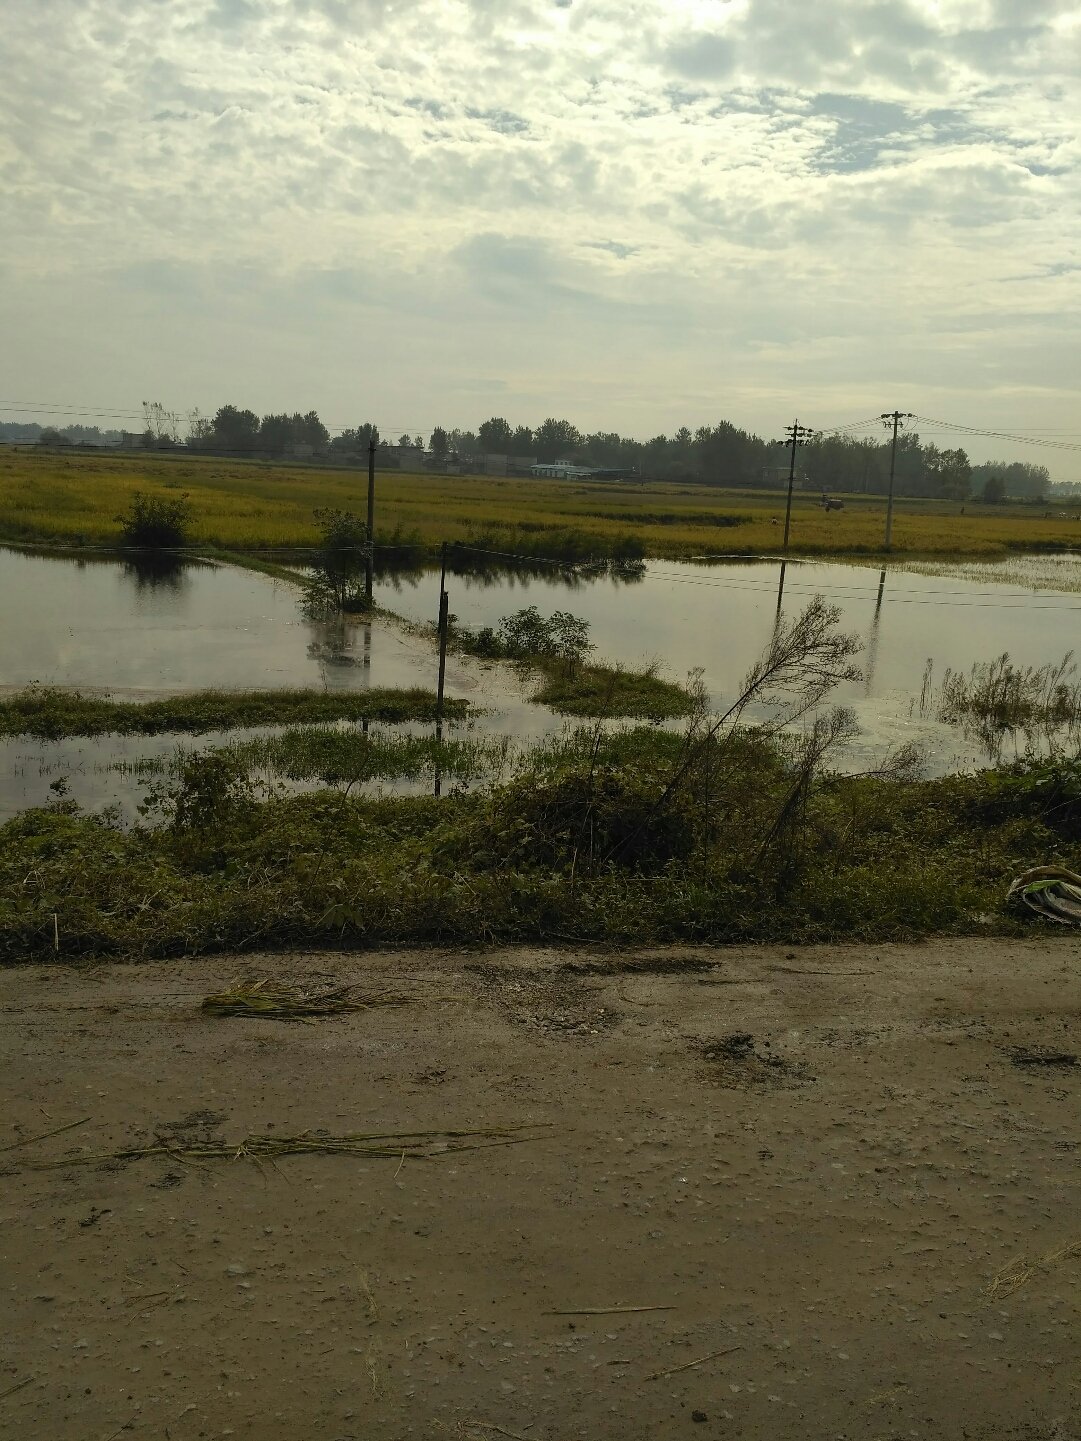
column 200, row 428
column 163, row 426
column 495, row 436
column 950, row 473
column 275, row 433
column 555, row 440
column 236, row 429
column 439, row 444
column 309, row 430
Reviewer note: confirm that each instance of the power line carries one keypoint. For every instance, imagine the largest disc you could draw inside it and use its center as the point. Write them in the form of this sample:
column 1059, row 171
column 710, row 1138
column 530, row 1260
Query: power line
column 1019, row 439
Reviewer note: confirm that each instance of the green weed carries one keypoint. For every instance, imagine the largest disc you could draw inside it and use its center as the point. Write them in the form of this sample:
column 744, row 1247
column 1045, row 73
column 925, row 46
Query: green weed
column 50, row 713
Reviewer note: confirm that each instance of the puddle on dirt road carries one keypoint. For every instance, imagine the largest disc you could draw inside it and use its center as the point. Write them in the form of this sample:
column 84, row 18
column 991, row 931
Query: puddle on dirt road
column 103, row 623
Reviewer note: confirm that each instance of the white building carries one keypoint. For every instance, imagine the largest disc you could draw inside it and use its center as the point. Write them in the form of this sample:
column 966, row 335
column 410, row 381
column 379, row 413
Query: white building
column 560, row 470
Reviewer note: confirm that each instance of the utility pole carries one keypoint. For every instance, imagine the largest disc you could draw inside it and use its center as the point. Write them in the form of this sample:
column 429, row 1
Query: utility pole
column 795, row 435
column 895, row 417
column 369, row 564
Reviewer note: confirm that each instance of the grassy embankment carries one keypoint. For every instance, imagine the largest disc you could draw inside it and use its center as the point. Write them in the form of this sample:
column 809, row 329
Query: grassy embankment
column 243, row 505
column 589, row 840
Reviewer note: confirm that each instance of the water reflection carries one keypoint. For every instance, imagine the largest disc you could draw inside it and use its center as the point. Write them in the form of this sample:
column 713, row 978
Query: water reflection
column 342, row 643
column 490, row 572
column 871, row 649
column 97, row 621
column 150, row 572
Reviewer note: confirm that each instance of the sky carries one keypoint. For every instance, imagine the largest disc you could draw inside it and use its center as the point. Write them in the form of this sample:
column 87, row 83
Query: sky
column 637, row 214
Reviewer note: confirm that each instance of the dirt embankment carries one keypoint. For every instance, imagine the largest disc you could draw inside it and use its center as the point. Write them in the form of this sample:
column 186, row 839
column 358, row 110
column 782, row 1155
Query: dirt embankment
column 776, row 1194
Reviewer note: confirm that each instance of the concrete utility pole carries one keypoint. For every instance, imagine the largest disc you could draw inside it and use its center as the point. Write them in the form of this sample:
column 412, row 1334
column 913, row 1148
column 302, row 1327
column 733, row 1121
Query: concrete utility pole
column 896, row 417
column 369, row 564
column 796, row 434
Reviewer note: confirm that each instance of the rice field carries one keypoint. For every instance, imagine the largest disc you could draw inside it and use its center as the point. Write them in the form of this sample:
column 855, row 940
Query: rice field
column 244, row 505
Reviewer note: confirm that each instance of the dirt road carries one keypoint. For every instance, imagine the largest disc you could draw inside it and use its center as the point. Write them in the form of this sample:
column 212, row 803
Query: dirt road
column 849, row 1177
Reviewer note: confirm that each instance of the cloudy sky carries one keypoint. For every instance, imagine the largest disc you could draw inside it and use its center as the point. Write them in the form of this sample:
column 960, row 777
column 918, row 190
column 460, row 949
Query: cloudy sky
column 635, row 213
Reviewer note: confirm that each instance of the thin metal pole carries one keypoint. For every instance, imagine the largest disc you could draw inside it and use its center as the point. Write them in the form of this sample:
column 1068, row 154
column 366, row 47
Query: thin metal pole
column 369, row 564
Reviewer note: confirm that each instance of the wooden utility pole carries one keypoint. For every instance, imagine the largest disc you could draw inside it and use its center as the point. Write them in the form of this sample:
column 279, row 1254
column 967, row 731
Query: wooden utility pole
column 369, row 564
column 896, row 417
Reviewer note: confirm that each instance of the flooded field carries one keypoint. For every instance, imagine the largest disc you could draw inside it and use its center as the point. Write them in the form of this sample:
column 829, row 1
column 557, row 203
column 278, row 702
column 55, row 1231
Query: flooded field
column 103, row 623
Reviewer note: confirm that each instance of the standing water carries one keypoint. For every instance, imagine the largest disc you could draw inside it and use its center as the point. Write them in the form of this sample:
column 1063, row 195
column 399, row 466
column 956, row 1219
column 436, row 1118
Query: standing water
column 105, row 623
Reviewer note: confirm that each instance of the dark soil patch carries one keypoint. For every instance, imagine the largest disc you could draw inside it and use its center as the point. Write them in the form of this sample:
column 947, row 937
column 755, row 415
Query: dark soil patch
column 736, row 1064
column 1035, row 1057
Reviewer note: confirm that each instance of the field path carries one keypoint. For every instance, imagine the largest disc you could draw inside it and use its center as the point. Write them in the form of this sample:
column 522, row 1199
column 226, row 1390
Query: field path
column 773, row 1194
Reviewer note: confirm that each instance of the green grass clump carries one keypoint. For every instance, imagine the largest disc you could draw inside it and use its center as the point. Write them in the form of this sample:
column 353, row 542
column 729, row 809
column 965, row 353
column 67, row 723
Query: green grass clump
column 52, row 713
column 336, row 757
column 601, row 690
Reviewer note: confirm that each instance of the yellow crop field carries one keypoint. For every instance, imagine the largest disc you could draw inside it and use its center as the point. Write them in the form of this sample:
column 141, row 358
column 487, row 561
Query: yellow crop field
column 77, row 498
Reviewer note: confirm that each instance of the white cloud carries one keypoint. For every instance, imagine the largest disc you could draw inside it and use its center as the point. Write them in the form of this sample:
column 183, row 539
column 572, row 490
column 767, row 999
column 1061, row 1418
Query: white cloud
column 642, row 213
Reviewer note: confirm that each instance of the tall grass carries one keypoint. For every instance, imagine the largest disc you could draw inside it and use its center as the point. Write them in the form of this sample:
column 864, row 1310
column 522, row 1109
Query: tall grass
column 997, row 698
column 244, row 505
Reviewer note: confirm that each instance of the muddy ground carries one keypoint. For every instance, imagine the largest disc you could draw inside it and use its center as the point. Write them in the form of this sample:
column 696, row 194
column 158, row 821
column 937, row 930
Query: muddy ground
column 852, row 1172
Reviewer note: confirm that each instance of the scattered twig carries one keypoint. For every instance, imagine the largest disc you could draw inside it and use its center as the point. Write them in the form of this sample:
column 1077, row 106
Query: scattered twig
column 124, row 1426
column 794, row 971
column 17, row 1387
column 29, row 1140
column 604, row 1310
column 673, row 1370
column 420, row 1145
column 1019, row 1271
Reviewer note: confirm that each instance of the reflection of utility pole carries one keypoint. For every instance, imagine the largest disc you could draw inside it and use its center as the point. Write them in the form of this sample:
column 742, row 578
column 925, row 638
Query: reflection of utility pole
column 443, row 626
column 367, row 663
column 796, row 434
column 872, row 644
column 896, row 416
column 369, row 563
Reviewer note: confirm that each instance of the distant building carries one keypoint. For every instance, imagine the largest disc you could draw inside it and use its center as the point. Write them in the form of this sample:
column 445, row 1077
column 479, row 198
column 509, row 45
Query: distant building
column 560, row 470
column 409, row 457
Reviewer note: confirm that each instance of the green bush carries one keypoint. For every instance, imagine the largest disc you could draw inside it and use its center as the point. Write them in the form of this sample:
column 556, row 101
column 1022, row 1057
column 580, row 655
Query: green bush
column 154, row 522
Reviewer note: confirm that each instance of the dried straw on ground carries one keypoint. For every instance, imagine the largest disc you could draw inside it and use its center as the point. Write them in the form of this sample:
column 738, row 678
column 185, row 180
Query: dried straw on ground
column 395, row 1145
column 274, row 1001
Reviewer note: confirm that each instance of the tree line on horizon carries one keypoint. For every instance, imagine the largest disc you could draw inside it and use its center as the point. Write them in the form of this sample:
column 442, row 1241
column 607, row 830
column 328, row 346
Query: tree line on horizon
column 722, row 454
